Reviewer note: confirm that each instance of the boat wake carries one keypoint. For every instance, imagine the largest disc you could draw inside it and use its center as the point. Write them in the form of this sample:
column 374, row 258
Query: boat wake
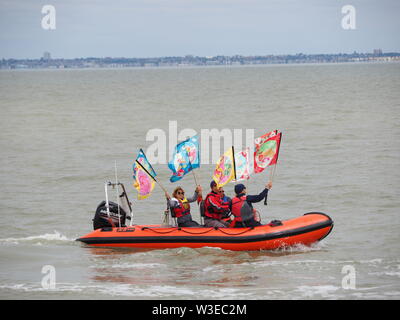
column 299, row 247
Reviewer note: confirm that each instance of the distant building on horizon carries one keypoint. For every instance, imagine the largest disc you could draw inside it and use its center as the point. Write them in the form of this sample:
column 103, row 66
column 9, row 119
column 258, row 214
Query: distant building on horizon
column 46, row 56
column 377, row 52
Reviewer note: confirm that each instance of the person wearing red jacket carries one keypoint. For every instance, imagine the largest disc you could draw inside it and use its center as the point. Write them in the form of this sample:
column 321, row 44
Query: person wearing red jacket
column 215, row 208
column 242, row 206
column 180, row 206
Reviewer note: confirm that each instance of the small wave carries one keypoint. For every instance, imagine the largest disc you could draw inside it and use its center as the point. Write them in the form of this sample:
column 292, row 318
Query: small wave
column 47, row 238
column 214, row 268
column 156, row 292
column 386, row 273
column 136, row 265
column 26, row 287
column 324, row 291
column 194, row 252
column 298, row 248
column 127, row 290
column 372, row 261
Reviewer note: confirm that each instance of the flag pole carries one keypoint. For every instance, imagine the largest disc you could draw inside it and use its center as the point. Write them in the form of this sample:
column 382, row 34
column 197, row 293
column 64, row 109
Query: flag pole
column 277, row 156
column 272, row 173
column 194, row 175
column 195, row 179
column 273, row 170
column 234, row 162
column 157, row 182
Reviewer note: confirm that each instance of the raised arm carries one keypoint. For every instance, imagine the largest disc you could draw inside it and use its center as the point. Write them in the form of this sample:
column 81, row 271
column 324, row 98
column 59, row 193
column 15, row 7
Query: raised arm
column 261, row 196
column 193, row 198
column 197, row 193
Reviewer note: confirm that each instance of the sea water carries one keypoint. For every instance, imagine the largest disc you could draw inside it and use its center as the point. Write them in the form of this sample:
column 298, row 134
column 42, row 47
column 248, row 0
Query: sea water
column 63, row 130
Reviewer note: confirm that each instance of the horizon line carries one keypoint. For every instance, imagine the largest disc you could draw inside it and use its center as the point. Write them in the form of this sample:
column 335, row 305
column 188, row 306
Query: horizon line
column 208, row 56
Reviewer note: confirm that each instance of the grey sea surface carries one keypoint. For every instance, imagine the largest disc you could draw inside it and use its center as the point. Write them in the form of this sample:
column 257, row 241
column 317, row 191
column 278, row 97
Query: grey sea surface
column 63, row 130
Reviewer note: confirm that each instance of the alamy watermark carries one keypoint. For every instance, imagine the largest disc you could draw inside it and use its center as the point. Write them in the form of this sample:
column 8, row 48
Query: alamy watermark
column 349, row 18
column 348, row 21
column 49, row 278
column 214, row 142
column 349, row 279
column 49, row 19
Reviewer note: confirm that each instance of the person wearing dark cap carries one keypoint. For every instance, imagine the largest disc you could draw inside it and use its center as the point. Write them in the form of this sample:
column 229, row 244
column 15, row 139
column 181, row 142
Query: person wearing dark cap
column 242, row 206
column 215, row 208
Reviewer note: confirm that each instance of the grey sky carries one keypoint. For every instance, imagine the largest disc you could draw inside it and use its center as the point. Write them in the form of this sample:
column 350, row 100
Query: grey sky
column 148, row 28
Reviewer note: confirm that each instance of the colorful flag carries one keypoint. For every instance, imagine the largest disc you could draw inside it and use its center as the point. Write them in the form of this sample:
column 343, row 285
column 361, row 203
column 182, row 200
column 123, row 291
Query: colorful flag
column 266, row 150
column 242, row 162
column 143, row 182
column 225, row 168
column 186, row 157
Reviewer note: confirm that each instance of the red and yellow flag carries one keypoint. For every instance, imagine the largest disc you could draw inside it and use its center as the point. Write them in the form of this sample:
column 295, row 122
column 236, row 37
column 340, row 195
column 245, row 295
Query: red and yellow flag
column 266, row 150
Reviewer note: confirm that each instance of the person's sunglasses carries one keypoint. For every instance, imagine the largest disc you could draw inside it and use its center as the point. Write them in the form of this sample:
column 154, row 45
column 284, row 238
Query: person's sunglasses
column 180, row 192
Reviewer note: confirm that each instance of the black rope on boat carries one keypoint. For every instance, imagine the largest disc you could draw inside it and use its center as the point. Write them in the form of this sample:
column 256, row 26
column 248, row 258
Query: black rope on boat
column 235, row 234
column 196, row 233
column 174, row 229
column 161, row 232
column 210, row 229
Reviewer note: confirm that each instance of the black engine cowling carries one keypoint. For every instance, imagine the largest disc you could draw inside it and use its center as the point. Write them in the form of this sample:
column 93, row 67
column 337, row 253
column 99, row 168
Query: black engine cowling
column 102, row 220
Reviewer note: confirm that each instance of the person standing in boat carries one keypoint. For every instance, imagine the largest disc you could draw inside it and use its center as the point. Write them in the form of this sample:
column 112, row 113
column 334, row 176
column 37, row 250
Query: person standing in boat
column 180, row 206
column 215, row 209
column 242, row 206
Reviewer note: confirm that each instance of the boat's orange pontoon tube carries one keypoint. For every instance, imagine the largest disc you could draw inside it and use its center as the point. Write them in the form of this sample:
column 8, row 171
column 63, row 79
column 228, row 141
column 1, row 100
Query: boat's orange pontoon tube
column 306, row 229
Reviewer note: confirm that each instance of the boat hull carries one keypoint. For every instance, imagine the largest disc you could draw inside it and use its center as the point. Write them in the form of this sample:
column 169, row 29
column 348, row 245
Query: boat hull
column 307, row 229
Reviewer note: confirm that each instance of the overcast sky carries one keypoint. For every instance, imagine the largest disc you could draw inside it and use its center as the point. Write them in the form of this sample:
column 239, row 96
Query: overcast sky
column 153, row 28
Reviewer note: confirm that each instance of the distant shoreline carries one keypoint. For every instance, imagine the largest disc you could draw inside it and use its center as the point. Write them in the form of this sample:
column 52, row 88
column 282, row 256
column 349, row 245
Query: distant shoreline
column 46, row 62
column 293, row 64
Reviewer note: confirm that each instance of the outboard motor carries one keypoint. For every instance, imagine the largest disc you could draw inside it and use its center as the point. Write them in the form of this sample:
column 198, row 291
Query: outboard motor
column 117, row 212
column 102, row 220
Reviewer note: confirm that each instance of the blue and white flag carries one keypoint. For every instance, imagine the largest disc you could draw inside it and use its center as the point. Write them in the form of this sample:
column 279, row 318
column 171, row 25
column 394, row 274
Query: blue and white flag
column 186, row 157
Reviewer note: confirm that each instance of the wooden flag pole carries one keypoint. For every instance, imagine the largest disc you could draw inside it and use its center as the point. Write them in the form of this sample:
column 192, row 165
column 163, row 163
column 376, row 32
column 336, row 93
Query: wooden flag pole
column 273, row 170
column 277, row 156
column 270, row 180
column 272, row 173
column 194, row 175
column 195, row 179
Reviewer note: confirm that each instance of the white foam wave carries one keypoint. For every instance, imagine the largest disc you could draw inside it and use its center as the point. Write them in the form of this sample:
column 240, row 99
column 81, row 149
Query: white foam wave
column 132, row 291
column 65, row 287
column 299, row 247
column 173, row 292
column 372, row 261
column 55, row 237
column 137, row 265
column 197, row 292
column 324, row 291
column 386, row 273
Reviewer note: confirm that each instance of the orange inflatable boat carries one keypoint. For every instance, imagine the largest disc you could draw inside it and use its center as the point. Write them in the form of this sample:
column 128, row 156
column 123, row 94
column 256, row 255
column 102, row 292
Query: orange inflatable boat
column 306, row 229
